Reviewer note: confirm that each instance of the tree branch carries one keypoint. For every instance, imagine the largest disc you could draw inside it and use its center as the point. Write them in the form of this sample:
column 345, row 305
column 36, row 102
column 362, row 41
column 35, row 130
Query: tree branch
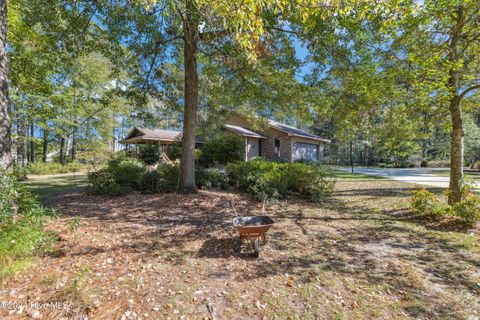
column 473, row 87
column 212, row 35
column 155, row 56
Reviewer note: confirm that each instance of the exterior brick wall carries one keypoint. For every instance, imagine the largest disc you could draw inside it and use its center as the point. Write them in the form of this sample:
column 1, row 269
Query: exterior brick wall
column 287, row 143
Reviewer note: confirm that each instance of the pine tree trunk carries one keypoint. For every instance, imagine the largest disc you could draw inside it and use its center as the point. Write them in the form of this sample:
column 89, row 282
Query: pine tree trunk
column 74, row 145
column 458, row 132
column 32, row 143
column 45, row 145
column 5, row 138
column 63, row 142
column 456, row 152
column 22, row 143
column 114, row 139
column 187, row 175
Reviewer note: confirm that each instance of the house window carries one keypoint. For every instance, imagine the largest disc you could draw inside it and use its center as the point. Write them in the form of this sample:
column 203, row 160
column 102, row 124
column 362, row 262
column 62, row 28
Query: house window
column 260, row 147
column 277, row 148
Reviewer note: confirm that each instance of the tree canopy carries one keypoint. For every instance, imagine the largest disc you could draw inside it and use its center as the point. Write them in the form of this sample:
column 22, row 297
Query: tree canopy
column 390, row 82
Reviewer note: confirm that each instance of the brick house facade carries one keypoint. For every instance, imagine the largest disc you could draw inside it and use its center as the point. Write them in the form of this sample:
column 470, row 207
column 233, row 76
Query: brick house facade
column 273, row 140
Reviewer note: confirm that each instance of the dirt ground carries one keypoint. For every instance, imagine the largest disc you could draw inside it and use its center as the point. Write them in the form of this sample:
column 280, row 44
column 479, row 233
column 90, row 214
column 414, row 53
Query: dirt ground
column 357, row 255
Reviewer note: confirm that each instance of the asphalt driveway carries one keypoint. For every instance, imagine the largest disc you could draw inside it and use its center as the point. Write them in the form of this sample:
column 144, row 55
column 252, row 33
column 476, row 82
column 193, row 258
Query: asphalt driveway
column 422, row 176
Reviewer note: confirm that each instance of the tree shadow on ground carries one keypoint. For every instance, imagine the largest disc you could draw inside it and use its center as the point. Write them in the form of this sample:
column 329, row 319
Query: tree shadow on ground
column 225, row 248
column 352, row 240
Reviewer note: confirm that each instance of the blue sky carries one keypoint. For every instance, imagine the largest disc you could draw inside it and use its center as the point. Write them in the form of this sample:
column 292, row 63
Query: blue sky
column 301, row 53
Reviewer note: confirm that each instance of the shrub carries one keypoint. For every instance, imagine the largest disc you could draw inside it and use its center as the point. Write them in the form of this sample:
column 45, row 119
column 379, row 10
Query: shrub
column 175, row 151
column 438, row 163
column 150, row 182
column 119, row 177
column 267, row 180
column 424, row 202
column 207, row 179
column 163, row 179
column 22, row 221
column 169, row 174
column 126, row 171
column 223, row 149
column 20, row 173
column 469, row 208
column 103, row 182
column 149, row 154
column 43, row 168
column 308, row 162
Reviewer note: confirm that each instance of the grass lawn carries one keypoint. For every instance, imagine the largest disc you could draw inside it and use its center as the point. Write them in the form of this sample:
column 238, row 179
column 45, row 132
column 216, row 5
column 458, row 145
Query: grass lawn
column 357, row 255
column 343, row 175
column 48, row 185
column 474, row 176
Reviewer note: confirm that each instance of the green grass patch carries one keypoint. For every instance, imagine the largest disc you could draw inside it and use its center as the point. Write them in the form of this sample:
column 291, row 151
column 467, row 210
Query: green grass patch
column 48, row 185
column 475, row 176
column 344, row 175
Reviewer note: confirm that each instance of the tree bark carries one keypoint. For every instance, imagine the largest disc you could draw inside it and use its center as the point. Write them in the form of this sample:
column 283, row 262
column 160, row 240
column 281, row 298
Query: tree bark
column 32, row 143
column 74, row 145
column 5, row 129
column 63, row 142
column 22, row 142
column 45, row 145
column 456, row 152
column 114, row 139
column 458, row 132
column 351, row 153
column 187, row 164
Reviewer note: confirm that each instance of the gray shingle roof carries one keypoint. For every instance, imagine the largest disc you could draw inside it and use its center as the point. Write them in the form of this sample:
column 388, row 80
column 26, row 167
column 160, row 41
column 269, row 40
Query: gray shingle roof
column 295, row 131
column 243, row 132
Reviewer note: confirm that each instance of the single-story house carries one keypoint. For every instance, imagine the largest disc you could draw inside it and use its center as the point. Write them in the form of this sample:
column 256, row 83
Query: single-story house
column 276, row 140
column 162, row 138
column 273, row 140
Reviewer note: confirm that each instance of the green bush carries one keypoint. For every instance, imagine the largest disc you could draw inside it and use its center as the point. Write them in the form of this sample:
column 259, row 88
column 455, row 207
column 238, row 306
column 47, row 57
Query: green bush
column 223, row 149
column 43, row 168
column 126, row 171
column 308, row 162
column 149, row 154
column 163, row 179
column 424, row 202
column 120, row 176
column 22, row 221
column 20, row 173
column 266, row 180
column 150, row 182
column 175, row 151
column 469, row 208
column 210, row 178
column 103, row 182
column 169, row 174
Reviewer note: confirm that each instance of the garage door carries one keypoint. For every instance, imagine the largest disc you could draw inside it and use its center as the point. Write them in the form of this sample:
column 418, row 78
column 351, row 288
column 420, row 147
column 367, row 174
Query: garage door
column 305, row 151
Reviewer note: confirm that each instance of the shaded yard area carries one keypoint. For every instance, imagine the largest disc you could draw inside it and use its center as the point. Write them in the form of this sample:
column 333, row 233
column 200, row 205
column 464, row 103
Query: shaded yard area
column 356, row 255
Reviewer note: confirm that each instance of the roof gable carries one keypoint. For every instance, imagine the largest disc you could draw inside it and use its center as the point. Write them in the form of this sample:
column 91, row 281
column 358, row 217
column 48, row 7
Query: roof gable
column 295, row 131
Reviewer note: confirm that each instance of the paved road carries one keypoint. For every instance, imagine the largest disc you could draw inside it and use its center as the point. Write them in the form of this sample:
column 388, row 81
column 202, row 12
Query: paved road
column 424, row 176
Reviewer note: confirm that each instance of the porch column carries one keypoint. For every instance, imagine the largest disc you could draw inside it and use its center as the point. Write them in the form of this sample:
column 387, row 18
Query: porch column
column 246, row 148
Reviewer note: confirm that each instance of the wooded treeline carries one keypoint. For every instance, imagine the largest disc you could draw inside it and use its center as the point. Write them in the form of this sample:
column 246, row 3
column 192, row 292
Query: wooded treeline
column 392, row 83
